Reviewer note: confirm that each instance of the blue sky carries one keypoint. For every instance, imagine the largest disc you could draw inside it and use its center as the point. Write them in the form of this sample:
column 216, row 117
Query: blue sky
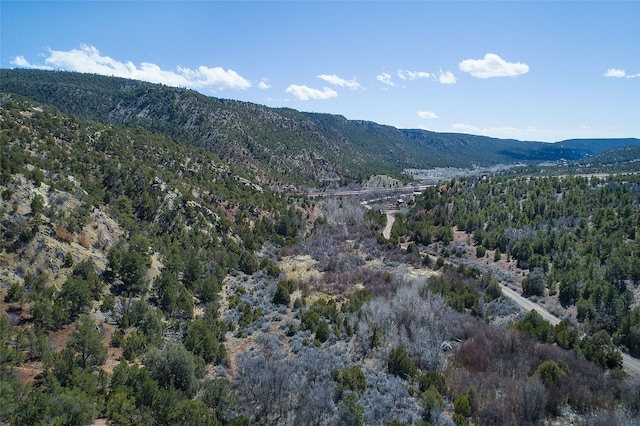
column 542, row 70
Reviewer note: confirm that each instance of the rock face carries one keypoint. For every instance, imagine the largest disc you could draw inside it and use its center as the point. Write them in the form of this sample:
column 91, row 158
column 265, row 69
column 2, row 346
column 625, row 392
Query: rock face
column 40, row 245
column 381, row 181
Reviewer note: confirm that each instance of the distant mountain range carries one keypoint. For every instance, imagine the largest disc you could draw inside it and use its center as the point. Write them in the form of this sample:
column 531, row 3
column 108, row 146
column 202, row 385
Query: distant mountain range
column 281, row 144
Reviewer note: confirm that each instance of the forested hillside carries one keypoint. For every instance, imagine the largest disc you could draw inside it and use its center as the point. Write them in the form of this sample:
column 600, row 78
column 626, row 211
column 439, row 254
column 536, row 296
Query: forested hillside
column 145, row 279
column 89, row 212
column 280, row 145
column 576, row 238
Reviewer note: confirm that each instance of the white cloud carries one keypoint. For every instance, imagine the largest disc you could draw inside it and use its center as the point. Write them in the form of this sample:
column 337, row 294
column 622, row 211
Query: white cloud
column 20, row 61
column 337, row 81
column 412, row 75
column 505, row 132
column 427, row 114
column 465, row 128
column 508, row 131
column 386, row 79
column 89, row 59
column 264, row 84
column 205, row 77
column 304, row 93
column 492, row 65
column 447, row 77
column 614, row 72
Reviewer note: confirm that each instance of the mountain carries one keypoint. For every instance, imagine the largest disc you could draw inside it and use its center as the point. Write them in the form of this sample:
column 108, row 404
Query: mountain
column 590, row 147
column 280, row 145
column 149, row 274
column 626, row 157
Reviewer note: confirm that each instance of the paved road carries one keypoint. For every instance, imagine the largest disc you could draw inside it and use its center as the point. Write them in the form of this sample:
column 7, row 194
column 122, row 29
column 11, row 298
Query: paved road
column 528, row 305
column 630, row 364
column 369, row 192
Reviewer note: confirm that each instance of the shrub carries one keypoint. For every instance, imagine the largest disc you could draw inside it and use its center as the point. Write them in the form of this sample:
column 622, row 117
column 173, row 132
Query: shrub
column 349, row 379
column 400, row 364
column 173, row 366
column 248, row 263
column 323, row 332
column 431, row 404
column 350, row 413
column 37, row 204
column 493, row 290
column 462, row 406
column 460, row 420
column 533, row 284
column 281, row 296
column 269, row 267
column 83, row 240
column 550, row 373
column 298, row 303
column 432, row 378
column 63, row 235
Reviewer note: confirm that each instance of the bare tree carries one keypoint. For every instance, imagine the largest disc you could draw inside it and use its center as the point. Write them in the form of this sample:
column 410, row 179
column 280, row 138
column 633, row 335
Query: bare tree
column 344, row 211
column 534, row 400
column 630, row 395
column 315, row 405
column 375, row 325
column 420, row 326
column 265, row 383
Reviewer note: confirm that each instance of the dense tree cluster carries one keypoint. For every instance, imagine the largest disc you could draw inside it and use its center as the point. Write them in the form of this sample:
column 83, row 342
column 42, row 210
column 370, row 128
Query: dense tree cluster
column 577, row 237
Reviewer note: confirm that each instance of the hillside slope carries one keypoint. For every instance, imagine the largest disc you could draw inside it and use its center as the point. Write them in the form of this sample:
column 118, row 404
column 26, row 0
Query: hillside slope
column 144, row 280
column 279, row 144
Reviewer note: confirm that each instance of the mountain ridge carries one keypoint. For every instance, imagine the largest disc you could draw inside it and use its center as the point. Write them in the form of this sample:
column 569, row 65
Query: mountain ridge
column 281, row 144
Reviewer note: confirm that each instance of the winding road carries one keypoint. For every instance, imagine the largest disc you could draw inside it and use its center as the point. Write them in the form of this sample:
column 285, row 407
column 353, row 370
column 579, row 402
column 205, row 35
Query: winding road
column 386, row 232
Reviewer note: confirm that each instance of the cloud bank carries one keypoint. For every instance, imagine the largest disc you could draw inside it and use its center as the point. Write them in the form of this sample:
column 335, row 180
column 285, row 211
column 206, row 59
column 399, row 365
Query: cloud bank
column 492, row 65
column 465, row 128
column 337, row 81
column 385, row 79
column 305, row 93
column 412, row 75
column 407, row 75
column 264, row 84
column 447, row 77
column 88, row 59
column 618, row 73
column 427, row 114
column 20, row 61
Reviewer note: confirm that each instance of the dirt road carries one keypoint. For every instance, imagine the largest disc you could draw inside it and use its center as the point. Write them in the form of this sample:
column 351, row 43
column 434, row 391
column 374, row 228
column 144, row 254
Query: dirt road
column 387, row 229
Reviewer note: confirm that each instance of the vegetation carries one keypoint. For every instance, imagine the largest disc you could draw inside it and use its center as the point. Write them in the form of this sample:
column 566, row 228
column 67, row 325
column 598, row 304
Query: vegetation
column 577, row 238
column 151, row 275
